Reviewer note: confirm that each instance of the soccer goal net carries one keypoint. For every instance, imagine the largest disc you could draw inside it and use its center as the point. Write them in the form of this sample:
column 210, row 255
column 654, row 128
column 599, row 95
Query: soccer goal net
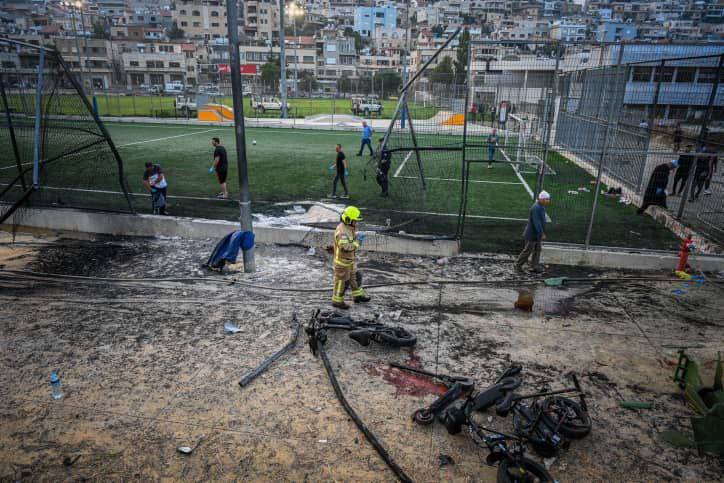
column 57, row 151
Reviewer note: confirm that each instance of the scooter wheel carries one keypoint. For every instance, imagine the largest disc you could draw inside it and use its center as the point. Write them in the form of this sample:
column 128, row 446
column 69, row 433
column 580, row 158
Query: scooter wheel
column 522, row 470
column 423, row 417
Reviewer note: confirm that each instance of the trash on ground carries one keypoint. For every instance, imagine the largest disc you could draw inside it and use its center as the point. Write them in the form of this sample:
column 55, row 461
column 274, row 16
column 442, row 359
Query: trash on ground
column 445, row 460
column 231, row 328
column 634, row 405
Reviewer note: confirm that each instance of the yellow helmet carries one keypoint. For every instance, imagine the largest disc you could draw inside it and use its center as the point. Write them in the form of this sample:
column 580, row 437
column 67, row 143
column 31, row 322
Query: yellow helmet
column 350, row 214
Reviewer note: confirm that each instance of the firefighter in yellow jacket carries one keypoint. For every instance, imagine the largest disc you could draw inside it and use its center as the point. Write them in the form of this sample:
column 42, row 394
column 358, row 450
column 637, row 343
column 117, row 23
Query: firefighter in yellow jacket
column 346, row 243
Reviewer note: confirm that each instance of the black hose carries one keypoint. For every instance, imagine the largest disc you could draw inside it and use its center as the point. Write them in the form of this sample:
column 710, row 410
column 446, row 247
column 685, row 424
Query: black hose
column 248, row 378
column 516, row 282
column 399, row 472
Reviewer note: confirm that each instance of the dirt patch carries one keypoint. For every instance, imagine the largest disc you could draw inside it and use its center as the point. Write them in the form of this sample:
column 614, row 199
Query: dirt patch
column 147, row 366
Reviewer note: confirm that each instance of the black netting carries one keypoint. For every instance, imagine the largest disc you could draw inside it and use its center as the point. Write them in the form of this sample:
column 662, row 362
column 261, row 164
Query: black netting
column 76, row 164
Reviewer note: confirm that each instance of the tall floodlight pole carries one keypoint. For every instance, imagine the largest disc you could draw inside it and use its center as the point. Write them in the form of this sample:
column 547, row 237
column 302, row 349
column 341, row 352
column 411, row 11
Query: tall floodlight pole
column 232, row 18
column 71, row 6
column 282, row 59
column 79, row 6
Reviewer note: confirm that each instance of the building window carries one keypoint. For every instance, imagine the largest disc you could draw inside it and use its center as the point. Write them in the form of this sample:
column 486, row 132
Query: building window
column 197, row 24
column 214, row 24
column 134, row 63
column 664, row 74
column 196, row 13
column 184, row 24
column 706, row 76
column 174, row 65
column 685, row 74
column 308, row 59
column 182, row 12
column 214, row 13
column 641, row 74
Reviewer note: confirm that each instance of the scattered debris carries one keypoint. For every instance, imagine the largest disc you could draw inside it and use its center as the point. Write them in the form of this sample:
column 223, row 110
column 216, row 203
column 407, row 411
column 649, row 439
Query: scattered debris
column 548, row 462
column 445, row 460
column 634, row 405
column 231, row 328
column 442, row 261
column 312, row 251
column 68, row 461
column 189, row 449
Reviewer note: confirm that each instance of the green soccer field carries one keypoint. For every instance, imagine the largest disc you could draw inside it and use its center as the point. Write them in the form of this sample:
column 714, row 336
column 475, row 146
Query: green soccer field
column 288, row 165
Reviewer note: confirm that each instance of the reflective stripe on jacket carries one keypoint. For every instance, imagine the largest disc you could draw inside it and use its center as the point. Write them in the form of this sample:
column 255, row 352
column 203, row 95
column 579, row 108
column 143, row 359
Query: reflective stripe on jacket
column 345, row 245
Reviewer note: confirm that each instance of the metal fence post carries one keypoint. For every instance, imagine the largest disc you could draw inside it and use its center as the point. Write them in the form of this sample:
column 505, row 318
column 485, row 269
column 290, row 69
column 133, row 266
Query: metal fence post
column 549, row 115
column 702, row 135
column 611, row 109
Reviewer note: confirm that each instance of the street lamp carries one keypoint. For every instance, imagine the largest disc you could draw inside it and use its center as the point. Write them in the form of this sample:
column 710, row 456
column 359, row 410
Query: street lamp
column 72, row 6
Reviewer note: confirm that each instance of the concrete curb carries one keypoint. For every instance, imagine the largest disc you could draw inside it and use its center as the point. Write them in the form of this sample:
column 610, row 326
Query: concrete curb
column 623, row 258
column 169, row 226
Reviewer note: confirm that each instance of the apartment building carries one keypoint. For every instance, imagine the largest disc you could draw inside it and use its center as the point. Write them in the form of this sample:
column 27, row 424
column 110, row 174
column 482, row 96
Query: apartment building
column 261, row 20
column 522, row 30
column 367, row 19
column 200, row 19
column 95, row 56
column 156, row 64
column 616, row 32
column 568, row 31
column 336, row 58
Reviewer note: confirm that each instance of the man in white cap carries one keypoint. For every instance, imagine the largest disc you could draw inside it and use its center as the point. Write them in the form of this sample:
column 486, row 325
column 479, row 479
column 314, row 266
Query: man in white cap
column 534, row 233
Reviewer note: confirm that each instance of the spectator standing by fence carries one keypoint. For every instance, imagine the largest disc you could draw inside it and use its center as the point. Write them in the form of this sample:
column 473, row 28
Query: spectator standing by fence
column 701, row 174
column 492, row 145
column 655, row 193
column 713, row 165
column 686, row 161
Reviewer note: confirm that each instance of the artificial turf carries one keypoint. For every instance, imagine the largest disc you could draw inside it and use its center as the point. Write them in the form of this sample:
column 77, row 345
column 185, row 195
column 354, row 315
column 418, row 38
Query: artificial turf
column 291, row 165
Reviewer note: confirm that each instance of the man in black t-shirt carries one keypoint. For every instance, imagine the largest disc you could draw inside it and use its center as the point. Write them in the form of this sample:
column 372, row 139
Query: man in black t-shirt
column 341, row 167
column 686, row 161
column 221, row 167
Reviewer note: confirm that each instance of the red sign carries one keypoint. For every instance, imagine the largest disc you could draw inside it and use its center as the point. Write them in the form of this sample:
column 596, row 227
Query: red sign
column 245, row 69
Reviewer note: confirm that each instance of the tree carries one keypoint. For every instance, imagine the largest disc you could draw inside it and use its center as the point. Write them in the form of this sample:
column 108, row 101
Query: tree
column 344, row 84
column 387, row 82
column 358, row 42
column 461, row 57
column 100, row 32
column 175, row 33
column 438, row 30
column 444, row 67
column 271, row 72
column 308, row 82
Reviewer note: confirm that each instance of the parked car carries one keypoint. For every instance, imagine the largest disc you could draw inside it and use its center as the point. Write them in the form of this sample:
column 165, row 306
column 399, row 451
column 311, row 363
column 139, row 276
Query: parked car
column 266, row 103
column 185, row 104
column 209, row 90
column 174, row 88
column 366, row 105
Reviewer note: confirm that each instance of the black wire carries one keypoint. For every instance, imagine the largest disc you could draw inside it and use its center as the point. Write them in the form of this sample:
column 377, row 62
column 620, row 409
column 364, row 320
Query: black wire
column 399, row 472
column 248, row 378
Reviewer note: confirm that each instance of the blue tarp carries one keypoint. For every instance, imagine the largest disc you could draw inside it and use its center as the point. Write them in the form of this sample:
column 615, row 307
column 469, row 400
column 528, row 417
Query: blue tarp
column 227, row 250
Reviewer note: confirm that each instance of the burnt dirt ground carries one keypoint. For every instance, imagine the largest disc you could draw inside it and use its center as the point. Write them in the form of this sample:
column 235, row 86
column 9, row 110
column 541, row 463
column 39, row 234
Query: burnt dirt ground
column 146, row 365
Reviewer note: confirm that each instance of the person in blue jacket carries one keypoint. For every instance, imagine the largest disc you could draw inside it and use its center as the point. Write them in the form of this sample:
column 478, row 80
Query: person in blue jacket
column 534, row 233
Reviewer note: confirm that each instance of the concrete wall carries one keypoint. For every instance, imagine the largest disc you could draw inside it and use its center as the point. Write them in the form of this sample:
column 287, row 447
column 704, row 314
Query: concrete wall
column 152, row 225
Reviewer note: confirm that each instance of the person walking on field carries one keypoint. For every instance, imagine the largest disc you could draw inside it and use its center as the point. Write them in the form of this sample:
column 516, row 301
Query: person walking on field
column 366, row 139
column 492, row 144
column 346, row 243
column 341, row 167
column 220, row 167
column 534, row 234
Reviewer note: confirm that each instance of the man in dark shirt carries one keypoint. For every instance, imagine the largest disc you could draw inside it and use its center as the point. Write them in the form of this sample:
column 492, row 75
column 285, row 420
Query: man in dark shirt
column 534, row 234
column 220, row 167
column 701, row 173
column 655, row 193
column 686, row 161
column 713, row 165
column 383, row 167
column 155, row 182
column 341, row 167
column 678, row 136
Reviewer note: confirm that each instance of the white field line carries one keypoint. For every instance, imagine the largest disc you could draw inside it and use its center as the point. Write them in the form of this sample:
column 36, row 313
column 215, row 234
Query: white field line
column 402, row 165
column 458, row 181
column 522, row 180
column 483, row 217
column 168, row 137
column 109, row 192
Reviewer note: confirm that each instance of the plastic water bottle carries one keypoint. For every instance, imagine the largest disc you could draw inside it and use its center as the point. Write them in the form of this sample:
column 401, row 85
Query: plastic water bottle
column 55, row 386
